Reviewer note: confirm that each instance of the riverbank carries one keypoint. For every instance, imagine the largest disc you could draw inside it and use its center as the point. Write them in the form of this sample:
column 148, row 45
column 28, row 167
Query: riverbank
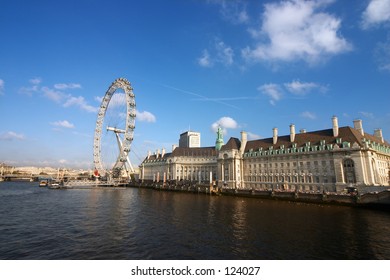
column 379, row 199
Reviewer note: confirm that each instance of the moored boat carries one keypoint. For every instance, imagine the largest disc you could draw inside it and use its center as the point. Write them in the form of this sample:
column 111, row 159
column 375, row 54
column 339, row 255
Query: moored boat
column 43, row 183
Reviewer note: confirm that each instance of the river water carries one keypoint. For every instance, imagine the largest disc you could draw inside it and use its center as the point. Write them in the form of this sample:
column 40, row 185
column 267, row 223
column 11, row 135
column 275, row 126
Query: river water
column 131, row 223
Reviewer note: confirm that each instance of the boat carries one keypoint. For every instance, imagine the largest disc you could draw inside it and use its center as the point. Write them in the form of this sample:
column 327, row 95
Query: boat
column 54, row 185
column 43, row 183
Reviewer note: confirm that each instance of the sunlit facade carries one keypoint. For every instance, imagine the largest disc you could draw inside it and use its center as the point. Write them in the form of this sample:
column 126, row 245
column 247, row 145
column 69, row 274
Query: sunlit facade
column 324, row 160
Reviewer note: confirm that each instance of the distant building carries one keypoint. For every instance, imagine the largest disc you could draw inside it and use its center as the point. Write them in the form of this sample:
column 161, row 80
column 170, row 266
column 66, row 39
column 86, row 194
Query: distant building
column 323, row 160
column 189, row 139
column 192, row 164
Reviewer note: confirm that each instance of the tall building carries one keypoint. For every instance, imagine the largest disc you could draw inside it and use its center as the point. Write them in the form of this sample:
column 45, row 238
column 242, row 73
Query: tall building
column 189, row 139
column 323, row 160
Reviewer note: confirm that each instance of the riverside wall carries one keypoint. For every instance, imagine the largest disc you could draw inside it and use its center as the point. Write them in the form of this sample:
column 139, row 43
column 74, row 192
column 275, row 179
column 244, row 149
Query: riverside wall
column 380, row 199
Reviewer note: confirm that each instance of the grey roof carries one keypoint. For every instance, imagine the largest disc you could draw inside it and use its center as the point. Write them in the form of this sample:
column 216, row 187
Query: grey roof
column 346, row 133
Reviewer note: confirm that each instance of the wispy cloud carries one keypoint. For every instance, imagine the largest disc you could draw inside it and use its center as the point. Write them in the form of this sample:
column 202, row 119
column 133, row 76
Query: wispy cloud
column 1, row 87
column 34, row 87
column 382, row 55
column 145, row 116
column 57, row 94
column 63, row 124
column 98, row 98
column 376, row 13
column 54, row 95
column 233, row 11
column 368, row 115
column 67, row 86
column 225, row 123
column 253, row 136
column 303, row 88
column 204, row 59
column 273, row 91
column 219, row 53
column 11, row 135
column 308, row 115
column 277, row 92
column 293, row 30
column 224, row 53
column 81, row 103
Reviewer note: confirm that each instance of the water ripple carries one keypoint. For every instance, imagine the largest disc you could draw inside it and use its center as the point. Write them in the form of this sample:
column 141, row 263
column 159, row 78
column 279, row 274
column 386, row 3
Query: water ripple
column 38, row 223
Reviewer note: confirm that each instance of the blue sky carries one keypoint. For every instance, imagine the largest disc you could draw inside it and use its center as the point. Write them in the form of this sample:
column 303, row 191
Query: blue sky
column 243, row 65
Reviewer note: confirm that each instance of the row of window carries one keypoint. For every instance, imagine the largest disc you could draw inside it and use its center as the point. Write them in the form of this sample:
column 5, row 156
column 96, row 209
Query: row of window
column 288, row 164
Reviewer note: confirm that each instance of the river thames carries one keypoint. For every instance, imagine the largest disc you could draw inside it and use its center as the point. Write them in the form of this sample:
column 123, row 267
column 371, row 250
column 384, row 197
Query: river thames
column 114, row 224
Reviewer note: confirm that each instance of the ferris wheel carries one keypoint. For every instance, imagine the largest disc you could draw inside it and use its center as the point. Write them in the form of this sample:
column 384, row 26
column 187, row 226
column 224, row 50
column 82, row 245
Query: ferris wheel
column 114, row 130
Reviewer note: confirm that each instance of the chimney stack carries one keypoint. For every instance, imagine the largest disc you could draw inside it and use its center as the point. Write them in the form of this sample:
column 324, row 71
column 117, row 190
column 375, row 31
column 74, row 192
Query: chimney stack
column 162, row 152
column 378, row 134
column 292, row 132
column 173, row 147
column 149, row 154
column 335, row 126
column 244, row 139
column 275, row 136
column 302, row 130
column 358, row 126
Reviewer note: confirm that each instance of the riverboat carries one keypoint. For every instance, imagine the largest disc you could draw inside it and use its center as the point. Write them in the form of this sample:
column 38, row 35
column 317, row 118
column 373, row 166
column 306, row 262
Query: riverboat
column 43, row 183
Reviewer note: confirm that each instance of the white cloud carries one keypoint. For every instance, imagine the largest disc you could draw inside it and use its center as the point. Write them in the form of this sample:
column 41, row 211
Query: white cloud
column 54, row 95
column 224, row 53
column 377, row 12
column 81, row 103
column 234, row 11
column 57, row 95
column 11, row 135
column 35, row 82
column 308, row 115
column 276, row 92
column 253, row 136
column 302, row 88
column 204, row 60
column 145, row 116
column 1, row 87
column 297, row 30
column 273, row 91
column 64, row 124
column 67, row 86
column 225, row 123
column 221, row 53
column 368, row 115
column 98, row 99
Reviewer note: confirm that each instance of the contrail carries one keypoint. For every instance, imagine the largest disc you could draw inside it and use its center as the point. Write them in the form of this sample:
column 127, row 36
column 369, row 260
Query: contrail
column 201, row 97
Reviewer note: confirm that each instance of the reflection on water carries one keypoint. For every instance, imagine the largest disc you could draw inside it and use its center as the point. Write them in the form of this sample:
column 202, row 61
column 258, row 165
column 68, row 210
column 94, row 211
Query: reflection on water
column 38, row 223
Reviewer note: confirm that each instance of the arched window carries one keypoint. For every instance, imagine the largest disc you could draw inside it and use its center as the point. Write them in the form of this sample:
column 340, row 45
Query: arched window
column 349, row 171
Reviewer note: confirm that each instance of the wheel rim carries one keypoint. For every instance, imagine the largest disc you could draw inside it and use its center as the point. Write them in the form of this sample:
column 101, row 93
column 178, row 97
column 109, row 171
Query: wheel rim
column 109, row 102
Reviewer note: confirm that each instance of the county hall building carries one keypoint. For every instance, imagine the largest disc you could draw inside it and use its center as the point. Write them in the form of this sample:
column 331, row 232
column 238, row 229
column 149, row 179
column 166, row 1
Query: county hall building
column 323, row 160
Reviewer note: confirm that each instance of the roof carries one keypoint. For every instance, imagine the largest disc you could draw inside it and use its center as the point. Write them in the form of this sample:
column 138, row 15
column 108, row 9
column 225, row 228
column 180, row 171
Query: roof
column 194, row 152
column 347, row 134
column 185, row 151
column 232, row 144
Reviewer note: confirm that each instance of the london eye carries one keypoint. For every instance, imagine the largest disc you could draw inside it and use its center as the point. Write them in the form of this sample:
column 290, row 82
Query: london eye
column 114, row 131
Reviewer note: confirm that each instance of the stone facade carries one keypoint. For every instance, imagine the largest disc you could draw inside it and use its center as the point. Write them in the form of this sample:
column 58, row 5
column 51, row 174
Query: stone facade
column 189, row 164
column 324, row 160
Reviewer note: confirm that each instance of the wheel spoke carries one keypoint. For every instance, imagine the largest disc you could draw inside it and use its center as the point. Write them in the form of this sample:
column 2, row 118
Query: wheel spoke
column 114, row 130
